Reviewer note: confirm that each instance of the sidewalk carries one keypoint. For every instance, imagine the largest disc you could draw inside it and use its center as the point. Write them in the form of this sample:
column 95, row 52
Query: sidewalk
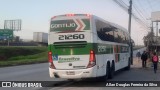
column 138, row 63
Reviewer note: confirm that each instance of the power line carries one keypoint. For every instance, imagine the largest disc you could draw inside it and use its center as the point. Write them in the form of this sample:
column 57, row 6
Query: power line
column 140, row 14
column 121, row 5
column 125, row 7
column 139, row 11
column 141, row 5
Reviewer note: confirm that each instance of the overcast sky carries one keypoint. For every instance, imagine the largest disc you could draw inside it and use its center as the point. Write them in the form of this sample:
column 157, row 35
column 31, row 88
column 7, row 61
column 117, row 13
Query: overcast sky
column 36, row 14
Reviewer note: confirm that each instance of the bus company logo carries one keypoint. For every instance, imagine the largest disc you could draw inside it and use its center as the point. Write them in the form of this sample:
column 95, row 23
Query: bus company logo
column 55, row 57
column 71, row 25
column 65, row 25
column 70, row 59
column 6, row 84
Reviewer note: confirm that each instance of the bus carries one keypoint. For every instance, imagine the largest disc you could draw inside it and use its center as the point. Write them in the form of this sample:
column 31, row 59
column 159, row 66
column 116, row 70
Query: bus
column 86, row 46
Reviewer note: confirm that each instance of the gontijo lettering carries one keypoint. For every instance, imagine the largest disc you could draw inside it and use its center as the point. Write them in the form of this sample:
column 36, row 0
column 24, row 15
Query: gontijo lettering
column 63, row 25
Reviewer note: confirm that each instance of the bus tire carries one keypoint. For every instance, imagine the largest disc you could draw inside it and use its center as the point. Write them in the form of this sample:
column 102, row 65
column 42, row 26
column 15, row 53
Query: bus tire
column 107, row 71
column 106, row 76
column 112, row 70
column 129, row 64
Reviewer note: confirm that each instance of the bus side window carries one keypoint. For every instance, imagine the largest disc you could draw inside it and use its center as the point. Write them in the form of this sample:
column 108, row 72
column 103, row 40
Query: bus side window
column 108, row 34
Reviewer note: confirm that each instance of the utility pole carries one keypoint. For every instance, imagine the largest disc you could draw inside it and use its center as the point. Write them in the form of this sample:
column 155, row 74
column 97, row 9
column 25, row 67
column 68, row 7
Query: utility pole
column 151, row 43
column 129, row 28
column 156, row 36
column 130, row 14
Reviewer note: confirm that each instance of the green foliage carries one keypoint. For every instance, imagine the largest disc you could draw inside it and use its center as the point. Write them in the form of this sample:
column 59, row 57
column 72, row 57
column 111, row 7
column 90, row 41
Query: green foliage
column 30, row 57
column 22, row 55
column 9, row 53
column 21, row 62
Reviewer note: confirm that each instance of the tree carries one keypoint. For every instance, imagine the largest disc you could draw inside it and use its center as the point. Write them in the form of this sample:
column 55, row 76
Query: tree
column 148, row 39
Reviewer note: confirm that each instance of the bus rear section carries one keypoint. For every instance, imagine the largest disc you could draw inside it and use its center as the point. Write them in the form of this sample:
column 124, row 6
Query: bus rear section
column 71, row 54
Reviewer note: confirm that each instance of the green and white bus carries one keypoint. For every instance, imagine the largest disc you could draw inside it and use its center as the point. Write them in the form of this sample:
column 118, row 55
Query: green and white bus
column 85, row 46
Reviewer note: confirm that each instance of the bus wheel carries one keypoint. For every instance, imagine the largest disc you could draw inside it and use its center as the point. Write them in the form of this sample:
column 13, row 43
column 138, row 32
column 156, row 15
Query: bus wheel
column 112, row 70
column 105, row 78
column 107, row 71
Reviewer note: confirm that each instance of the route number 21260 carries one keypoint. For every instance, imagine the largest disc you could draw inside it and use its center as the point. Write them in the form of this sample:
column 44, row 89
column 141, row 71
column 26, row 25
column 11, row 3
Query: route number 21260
column 71, row 36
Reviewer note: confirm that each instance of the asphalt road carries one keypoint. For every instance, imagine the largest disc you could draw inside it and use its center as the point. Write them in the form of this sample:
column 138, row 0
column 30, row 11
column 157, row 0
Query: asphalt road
column 33, row 72
column 39, row 72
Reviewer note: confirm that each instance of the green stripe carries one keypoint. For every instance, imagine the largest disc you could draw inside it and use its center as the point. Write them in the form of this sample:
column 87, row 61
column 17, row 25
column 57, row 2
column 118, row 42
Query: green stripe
column 85, row 49
column 68, row 50
column 87, row 23
column 103, row 49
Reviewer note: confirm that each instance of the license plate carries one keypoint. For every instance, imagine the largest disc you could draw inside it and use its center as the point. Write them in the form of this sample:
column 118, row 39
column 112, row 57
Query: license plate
column 70, row 73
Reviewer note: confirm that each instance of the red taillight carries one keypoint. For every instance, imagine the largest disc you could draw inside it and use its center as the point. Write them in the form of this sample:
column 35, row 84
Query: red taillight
column 92, row 59
column 50, row 57
column 88, row 15
column 53, row 17
column 51, row 65
column 92, row 56
column 69, row 14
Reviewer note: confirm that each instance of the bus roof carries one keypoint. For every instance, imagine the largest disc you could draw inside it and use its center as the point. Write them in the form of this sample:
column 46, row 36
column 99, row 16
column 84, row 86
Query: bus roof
column 69, row 15
column 94, row 17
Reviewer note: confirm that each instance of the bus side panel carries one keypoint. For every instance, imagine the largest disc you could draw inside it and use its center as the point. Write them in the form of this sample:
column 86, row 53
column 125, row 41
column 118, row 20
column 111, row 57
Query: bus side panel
column 124, row 56
column 104, row 53
column 121, row 54
column 123, row 60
